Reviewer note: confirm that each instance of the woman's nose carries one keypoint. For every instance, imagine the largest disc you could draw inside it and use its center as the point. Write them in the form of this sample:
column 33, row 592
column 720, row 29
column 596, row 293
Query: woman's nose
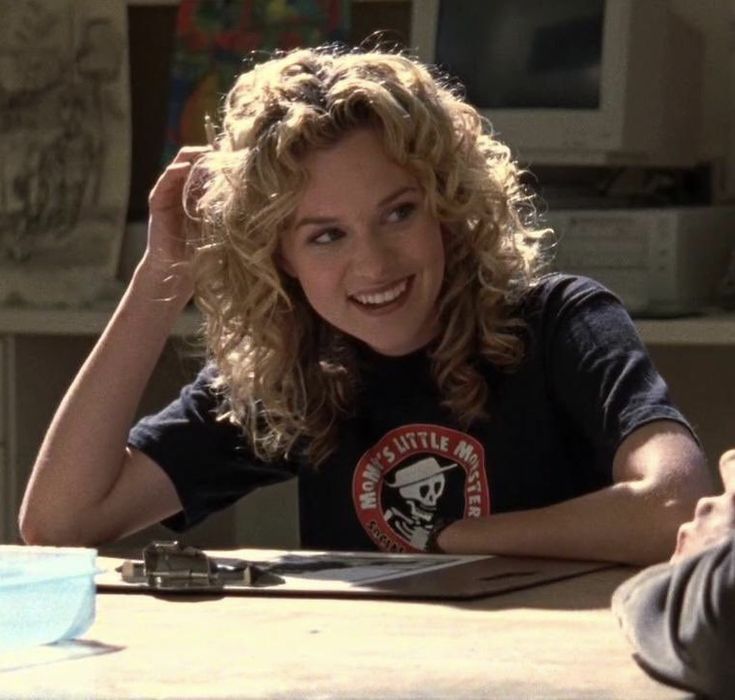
column 373, row 257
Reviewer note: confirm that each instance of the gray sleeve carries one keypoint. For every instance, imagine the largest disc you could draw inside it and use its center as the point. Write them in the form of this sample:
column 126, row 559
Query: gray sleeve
column 680, row 620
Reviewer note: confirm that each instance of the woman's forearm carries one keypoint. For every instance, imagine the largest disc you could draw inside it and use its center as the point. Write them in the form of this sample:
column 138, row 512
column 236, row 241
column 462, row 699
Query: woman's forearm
column 659, row 472
column 627, row 522
column 84, row 448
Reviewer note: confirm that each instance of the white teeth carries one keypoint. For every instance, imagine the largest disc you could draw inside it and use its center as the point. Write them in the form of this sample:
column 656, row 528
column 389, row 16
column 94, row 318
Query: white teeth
column 383, row 297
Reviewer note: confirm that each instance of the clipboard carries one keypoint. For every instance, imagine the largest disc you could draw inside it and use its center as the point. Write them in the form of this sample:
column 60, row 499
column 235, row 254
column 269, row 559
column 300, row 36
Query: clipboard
column 172, row 568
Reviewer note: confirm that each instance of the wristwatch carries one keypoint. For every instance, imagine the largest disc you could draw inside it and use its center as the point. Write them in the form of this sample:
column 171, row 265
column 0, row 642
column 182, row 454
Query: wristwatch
column 432, row 546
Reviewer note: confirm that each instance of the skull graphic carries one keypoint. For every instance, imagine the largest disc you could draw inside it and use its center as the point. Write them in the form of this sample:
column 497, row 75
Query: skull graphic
column 420, row 485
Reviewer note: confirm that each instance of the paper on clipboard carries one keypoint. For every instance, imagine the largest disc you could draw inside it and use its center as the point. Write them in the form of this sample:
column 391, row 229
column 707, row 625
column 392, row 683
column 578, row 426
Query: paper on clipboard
column 367, row 574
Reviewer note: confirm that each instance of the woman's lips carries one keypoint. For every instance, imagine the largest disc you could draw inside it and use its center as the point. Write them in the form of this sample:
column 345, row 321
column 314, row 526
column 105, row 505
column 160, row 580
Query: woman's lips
column 386, row 300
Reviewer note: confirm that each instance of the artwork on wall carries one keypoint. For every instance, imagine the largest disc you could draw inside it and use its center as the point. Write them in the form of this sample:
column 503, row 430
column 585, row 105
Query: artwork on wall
column 64, row 149
column 216, row 38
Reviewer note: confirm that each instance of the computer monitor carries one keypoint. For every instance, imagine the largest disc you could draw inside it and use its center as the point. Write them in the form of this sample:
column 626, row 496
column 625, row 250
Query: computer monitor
column 573, row 82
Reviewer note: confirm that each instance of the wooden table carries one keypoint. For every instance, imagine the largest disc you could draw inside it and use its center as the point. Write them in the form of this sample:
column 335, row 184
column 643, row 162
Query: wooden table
column 559, row 640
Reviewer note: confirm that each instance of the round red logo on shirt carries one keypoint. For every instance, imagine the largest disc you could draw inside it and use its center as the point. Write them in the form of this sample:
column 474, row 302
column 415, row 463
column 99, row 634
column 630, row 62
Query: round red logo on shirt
column 412, row 474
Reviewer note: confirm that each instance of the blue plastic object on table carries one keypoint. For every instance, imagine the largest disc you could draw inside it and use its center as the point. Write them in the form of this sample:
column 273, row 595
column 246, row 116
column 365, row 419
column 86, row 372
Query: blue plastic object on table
column 46, row 594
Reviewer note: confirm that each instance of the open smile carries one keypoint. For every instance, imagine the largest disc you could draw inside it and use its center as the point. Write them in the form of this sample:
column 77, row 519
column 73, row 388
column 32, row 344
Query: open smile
column 388, row 298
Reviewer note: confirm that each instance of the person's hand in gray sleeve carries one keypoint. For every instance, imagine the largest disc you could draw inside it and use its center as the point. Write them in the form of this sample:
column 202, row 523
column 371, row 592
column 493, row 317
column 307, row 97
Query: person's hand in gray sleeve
column 714, row 518
column 680, row 617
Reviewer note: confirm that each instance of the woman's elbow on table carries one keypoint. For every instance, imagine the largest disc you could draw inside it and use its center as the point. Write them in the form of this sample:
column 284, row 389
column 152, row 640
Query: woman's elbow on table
column 142, row 495
column 666, row 469
column 35, row 530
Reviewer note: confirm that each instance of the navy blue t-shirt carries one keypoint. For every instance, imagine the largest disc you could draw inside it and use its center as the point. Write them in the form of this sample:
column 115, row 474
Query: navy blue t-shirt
column 402, row 461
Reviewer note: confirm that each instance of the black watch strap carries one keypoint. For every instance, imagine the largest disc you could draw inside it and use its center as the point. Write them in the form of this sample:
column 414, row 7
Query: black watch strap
column 432, row 546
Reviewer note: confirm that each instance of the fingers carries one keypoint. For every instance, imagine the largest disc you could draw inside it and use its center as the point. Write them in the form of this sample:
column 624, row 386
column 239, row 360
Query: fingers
column 190, row 153
column 166, row 193
column 705, row 506
column 714, row 521
column 727, row 470
column 169, row 186
column 682, row 540
column 184, row 158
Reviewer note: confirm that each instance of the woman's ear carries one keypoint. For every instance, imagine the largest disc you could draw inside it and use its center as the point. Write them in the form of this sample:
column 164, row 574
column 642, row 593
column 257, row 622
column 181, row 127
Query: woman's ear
column 283, row 264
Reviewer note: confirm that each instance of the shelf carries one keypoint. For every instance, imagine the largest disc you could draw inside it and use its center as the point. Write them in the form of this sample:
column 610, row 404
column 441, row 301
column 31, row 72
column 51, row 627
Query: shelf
column 153, row 3
column 710, row 329
column 25, row 321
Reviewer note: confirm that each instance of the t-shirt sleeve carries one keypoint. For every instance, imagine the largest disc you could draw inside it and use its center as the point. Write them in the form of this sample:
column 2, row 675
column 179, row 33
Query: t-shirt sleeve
column 208, row 460
column 680, row 620
column 597, row 367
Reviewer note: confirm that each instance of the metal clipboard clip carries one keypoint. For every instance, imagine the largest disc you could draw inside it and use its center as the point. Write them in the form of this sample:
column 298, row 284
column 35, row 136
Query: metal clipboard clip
column 171, row 566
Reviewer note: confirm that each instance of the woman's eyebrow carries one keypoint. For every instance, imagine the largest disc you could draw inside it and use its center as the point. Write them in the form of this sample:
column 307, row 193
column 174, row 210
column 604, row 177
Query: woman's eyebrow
column 323, row 220
column 398, row 193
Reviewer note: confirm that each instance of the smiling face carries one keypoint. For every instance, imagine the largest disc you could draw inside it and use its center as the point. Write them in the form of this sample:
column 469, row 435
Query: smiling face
column 364, row 247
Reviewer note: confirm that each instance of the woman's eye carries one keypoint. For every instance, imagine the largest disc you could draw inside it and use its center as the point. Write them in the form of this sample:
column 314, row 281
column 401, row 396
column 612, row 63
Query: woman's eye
column 327, row 236
column 401, row 212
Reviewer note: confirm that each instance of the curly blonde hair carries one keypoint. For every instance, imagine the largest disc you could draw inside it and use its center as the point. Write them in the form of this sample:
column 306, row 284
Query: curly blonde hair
column 286, row 376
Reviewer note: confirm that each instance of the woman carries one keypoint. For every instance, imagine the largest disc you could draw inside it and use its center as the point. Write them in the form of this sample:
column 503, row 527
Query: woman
column 376, row 323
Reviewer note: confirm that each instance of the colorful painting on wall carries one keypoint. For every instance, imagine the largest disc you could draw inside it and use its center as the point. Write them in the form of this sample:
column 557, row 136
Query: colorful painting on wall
column 214, row 37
